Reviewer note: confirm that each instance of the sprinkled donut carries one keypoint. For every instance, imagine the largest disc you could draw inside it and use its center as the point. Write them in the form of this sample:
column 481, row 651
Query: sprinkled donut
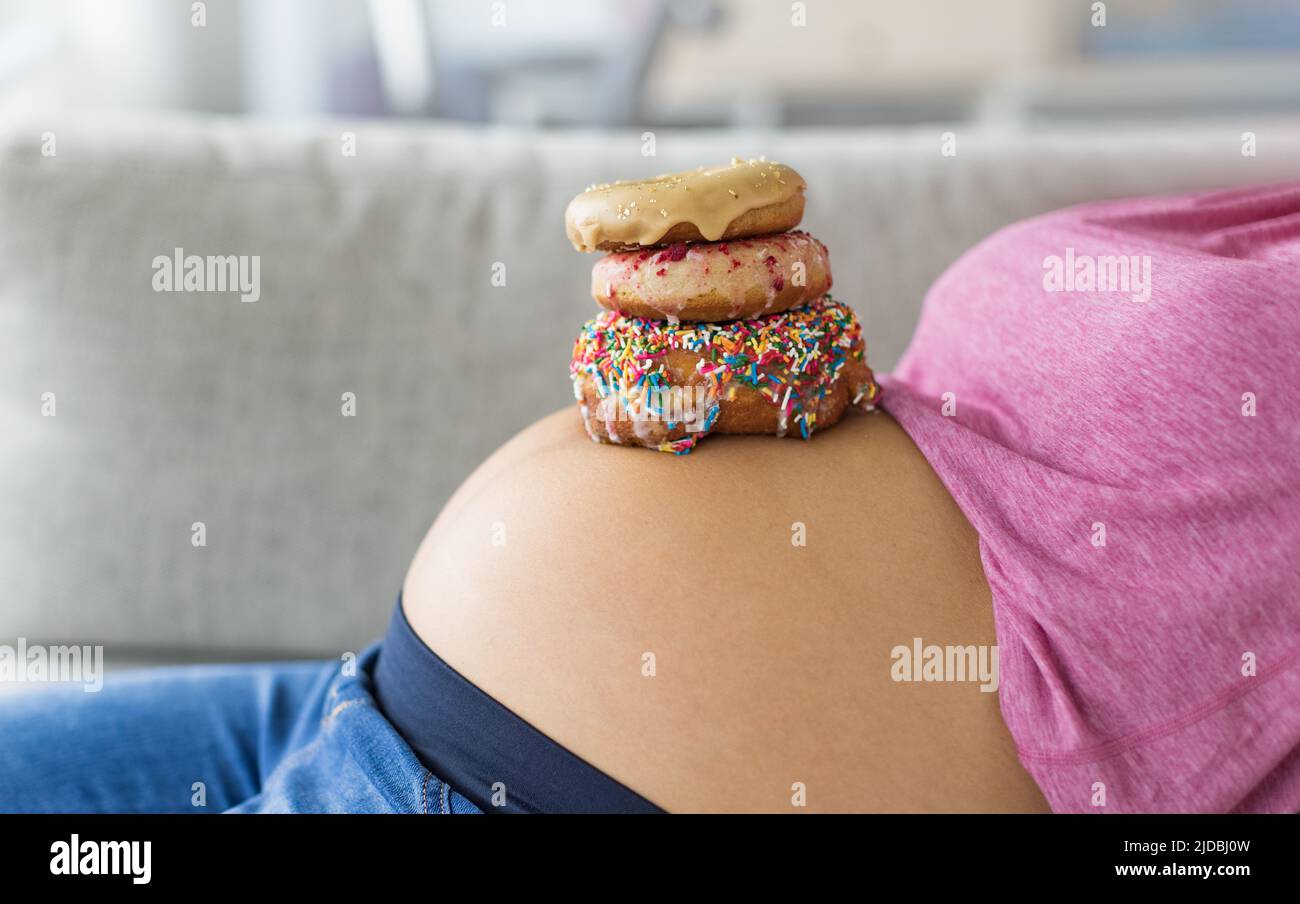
column 666, row 385
column 742, row 199
column 714, row 280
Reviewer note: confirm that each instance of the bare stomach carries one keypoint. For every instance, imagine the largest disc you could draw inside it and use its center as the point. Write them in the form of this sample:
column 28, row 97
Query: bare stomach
column 715, row 631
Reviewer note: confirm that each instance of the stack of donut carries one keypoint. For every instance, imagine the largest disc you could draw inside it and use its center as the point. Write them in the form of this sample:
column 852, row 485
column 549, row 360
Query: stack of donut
column 717, row 315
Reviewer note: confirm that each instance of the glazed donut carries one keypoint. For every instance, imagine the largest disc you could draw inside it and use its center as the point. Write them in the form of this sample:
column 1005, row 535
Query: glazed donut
column 648, row 383
column 714, row 280
column 741, row 199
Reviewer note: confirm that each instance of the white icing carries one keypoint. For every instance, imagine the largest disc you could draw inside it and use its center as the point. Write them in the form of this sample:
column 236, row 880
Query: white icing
column 641, row 427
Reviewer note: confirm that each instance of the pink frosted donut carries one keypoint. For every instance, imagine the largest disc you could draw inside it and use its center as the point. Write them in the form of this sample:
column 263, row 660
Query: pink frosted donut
column 714, row 281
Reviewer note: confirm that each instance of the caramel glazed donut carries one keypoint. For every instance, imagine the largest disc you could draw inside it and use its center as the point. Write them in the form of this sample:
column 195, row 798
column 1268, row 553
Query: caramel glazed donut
column 792, row 365
column 742, row 199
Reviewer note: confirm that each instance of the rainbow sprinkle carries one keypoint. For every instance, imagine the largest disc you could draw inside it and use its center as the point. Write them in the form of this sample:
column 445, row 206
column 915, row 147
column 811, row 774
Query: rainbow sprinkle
column 792, row 358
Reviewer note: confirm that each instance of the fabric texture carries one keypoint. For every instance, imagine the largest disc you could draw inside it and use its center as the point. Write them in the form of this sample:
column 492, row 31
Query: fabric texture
column 1131, row 468
column 267, row 738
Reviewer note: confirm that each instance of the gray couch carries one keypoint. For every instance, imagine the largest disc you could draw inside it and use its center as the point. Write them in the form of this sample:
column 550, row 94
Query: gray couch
column 376, row 279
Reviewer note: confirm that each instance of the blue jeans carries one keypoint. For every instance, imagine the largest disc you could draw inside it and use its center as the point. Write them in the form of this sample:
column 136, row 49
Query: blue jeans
column 277, row 738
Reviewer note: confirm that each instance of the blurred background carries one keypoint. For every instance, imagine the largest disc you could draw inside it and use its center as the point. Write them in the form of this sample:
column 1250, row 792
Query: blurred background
column 387, row 160
column 659, row 63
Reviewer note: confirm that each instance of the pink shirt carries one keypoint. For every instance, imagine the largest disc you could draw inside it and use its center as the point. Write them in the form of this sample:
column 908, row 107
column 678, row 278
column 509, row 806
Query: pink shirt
column 1130, row 457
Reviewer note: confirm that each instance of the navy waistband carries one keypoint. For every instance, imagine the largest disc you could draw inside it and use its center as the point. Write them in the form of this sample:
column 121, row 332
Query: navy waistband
column 474, row 743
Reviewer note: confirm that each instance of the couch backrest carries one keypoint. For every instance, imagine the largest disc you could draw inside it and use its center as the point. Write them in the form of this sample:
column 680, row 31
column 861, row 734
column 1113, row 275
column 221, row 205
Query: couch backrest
column 376, row 276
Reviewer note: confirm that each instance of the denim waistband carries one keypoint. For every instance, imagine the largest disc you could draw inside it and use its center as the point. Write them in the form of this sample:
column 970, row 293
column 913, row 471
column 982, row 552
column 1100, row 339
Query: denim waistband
column 479, row 747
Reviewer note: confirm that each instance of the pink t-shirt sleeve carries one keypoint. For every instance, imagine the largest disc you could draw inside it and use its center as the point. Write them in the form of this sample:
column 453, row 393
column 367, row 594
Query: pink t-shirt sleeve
column 1123, row 431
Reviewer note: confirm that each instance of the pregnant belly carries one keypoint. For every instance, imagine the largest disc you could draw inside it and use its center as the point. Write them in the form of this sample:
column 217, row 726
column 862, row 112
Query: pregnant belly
column 722, row 631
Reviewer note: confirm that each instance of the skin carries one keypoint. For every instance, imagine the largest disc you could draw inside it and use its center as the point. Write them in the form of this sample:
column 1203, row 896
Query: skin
column 772, row 660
